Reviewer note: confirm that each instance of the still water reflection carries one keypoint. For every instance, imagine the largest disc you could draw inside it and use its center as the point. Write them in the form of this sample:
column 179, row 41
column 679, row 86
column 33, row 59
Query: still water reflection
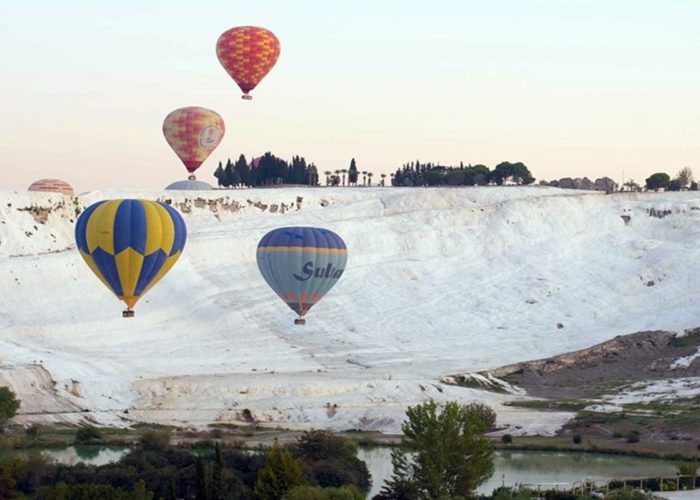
column 538, row 468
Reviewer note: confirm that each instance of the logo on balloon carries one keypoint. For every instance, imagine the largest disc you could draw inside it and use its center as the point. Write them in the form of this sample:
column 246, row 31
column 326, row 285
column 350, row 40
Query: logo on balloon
column 209, row 137
column 320, row 272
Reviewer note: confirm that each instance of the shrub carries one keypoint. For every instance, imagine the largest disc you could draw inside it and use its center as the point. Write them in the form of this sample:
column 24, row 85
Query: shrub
column 9, row 404
column 576, row 439
column 331, row 461
column 318, row 493
column 32, row 430
column 506, row 439
column 633, row 437
column 154, row 440
column 87, row 434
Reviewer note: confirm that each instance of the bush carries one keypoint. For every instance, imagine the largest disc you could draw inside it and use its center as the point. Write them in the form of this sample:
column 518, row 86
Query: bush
column 506, row 439
column 576, row 439
column 88, row 434
column 331, row 461
column 633, row 437
column 154, row 440
column 9, row 404
column 318, row 493
column 32, row 430
column 629, row 494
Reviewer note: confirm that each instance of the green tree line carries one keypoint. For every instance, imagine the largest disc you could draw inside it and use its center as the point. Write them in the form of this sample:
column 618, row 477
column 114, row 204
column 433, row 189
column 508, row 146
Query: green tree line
column 427, row 174
column 266, row 170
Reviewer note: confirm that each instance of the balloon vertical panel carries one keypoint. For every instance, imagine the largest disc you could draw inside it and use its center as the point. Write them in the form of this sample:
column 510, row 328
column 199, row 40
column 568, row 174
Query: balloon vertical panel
column 130, row 244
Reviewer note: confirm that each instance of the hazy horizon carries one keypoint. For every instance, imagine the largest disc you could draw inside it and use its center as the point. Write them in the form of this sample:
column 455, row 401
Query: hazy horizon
column 585, row 88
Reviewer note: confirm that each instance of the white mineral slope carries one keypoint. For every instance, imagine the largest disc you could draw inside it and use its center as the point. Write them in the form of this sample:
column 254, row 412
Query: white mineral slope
column 438, row 281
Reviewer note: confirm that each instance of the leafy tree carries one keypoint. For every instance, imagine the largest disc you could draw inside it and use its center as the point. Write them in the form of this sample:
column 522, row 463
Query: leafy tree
column 9, row 404
column 319, row 493
column 217, row 476
column 506, row 439
column 632, row 186
column 327, row 173
column 690, row 470
column 352, row 173
column 331, row 461
column 241, row 172
column 156, row 440
column 455, row 177
column 10, row 473
column 88, row 434
column 343, row 172
column 658, row 181
column 435, row 176
column 685, row 177
column 629, row 494
column 674, row 185
column 280, row 474
column 517, row 172
column 219, row 174
column 451, row 454
column 202, row 492
column 369, row 178
column 313, row 175
column 228, row 175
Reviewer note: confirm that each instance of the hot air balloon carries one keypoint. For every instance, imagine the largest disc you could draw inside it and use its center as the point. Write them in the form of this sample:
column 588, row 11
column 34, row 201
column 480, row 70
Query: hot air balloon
column 130, row 244
column 193, row 133
column 301, row 264
column 189, row 185
column 52, row 186
column 247, row 53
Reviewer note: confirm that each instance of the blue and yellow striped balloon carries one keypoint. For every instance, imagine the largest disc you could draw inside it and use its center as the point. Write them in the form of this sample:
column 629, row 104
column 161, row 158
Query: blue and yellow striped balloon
column 130, row 244
column 301, row 264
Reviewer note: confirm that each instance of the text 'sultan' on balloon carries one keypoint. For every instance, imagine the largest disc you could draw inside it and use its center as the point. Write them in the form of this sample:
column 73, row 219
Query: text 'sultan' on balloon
column 301, row 264
column 247, row 53
column 130, row 244
column 193, row 133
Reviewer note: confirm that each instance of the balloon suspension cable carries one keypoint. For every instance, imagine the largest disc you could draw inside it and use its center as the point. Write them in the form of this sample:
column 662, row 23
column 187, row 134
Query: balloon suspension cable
column 191, row 177
column 300, row 321
column 247, row 97
column 128, row 313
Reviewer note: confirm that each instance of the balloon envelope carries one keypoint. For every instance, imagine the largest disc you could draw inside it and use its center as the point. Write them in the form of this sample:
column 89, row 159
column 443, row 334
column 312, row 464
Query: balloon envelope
column 301, row 264
column 130, row 244
column 189, row 185
column 52, row 186
column 247, row 53
column 193, row 133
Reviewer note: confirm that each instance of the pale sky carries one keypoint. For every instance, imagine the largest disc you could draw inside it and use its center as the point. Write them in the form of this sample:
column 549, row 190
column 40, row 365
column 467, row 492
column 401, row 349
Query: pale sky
column 569, row 87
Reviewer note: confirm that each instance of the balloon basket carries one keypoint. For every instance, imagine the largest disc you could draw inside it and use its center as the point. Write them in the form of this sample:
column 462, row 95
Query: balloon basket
column 246, row 97
column 127, row 313
column 191, row 177
column 300, row 321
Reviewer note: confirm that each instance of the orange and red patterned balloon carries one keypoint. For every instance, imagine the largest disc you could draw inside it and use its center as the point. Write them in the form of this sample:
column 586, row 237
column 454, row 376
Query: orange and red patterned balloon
column 193, row 133
column 247, row 53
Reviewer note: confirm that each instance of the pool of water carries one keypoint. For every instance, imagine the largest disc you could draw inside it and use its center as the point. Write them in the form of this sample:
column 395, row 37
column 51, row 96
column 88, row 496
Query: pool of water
column 534, row 468
column 545, row 468
column 71, row 455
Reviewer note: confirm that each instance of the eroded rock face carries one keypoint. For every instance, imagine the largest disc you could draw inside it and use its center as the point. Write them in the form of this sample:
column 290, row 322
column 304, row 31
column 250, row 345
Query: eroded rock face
column 588, row 372
column 37, row 390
